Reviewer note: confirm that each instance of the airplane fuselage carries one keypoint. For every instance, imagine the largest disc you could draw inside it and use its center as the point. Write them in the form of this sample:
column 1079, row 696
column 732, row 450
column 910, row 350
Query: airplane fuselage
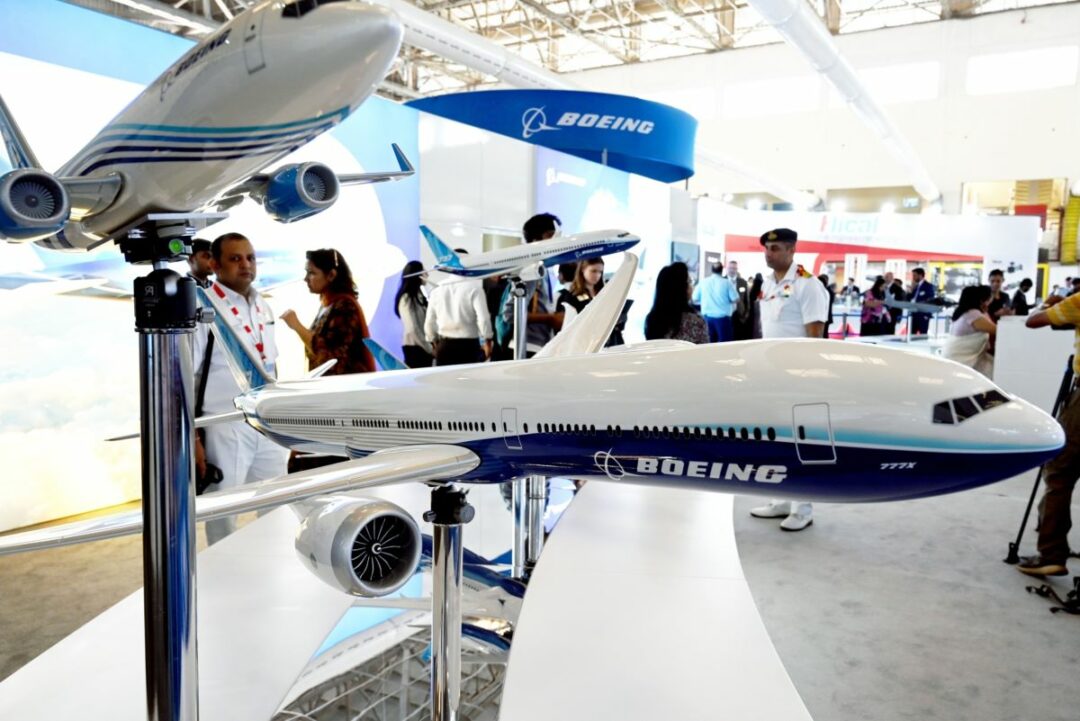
column 261, row 86
column 790, row 418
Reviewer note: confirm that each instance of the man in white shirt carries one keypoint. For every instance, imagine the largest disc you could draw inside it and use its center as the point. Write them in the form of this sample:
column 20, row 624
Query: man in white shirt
column 794, row 304
column 243, row 454
column 457, row 322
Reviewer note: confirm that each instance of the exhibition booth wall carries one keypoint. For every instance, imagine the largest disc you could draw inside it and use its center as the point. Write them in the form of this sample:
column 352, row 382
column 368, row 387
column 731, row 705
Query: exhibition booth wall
column 993, row 97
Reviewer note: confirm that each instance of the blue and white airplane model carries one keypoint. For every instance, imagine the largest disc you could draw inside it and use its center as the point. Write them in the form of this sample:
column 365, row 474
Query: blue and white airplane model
column 198, row 138
column 812, row 419
column 528, row 261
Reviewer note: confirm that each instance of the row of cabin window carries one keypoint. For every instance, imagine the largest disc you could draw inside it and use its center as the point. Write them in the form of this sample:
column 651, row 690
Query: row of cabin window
column 686, row 432
column 329, row 422
column 370, row 423
column 578, row 428
column 659, row 431
column 472, row 426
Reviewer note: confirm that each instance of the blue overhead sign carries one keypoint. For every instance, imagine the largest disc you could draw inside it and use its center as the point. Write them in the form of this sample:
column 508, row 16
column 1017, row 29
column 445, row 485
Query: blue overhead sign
column 638, row 136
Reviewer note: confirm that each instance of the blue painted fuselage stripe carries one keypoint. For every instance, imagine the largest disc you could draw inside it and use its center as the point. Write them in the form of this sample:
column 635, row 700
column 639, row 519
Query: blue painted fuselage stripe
column 158, row 138
column 337, row 115
column 902, row 473
column 181, row 159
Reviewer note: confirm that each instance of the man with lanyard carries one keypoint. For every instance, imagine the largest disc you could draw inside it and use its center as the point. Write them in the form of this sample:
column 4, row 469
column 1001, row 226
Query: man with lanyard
column 243, row 454
column 794, row 304
column 199, row 269
column 923, row 292
column 718, row 299
column 1060, row 474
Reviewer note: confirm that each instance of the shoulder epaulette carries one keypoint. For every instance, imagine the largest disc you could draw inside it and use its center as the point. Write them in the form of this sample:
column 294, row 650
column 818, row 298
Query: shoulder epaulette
column 803, row 272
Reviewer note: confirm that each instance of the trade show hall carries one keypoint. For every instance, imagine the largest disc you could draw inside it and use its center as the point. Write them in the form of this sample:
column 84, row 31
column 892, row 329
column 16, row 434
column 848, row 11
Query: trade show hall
column 398, row 360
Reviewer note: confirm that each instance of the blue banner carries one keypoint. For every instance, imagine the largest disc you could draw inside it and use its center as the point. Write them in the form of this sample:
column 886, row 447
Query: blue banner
column 638, row 136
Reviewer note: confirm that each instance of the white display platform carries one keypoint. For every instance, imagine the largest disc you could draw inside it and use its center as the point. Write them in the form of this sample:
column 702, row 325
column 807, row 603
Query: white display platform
column 261, row 616
column 1031, row 361
column 639, row 609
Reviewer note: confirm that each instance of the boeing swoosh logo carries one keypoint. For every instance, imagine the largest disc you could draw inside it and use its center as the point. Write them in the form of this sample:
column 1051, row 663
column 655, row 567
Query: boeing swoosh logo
column 610, row 466
column 534, row 121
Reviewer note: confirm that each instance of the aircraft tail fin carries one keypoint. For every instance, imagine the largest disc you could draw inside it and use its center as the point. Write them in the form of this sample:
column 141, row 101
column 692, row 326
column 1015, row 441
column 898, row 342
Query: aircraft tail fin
column 383, row 357
column 247, row 368
column 18, row 150
column 443, row 254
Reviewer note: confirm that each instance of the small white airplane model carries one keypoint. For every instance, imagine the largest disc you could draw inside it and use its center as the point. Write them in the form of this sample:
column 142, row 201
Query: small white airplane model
column 528, row 261
column 271, row 80
column 813, row 419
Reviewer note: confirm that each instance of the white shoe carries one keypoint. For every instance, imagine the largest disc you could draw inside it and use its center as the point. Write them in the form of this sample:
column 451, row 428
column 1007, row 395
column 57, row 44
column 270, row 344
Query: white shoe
column 774, row 509
column 796, row 521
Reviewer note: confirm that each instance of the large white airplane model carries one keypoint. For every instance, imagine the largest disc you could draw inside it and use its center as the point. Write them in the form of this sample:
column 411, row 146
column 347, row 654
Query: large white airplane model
column 274, row 78
column 528, row 261
column 813, row 419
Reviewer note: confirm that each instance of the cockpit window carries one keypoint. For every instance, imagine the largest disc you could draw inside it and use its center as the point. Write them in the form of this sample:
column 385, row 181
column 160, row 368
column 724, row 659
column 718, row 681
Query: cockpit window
column 943, row 413
column 960, row 409
column 964, row 408
column 990, row 399
column 300, row 8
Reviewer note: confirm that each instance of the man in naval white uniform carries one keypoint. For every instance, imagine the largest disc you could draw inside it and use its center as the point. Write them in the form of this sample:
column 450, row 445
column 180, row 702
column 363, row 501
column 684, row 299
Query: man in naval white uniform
column 243, row 454
column 793, row 304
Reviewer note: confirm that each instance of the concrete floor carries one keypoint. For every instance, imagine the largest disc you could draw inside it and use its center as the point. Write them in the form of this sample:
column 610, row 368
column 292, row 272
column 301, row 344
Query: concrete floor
column 880, row 613
column 905, row 611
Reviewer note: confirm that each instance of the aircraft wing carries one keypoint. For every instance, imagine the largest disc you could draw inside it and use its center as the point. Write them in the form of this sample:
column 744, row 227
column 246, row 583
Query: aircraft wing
column 588, row 332
column 405, row 169
column 383, row 468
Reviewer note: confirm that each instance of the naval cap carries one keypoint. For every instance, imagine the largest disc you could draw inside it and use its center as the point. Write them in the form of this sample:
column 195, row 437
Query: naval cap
column 782, row 235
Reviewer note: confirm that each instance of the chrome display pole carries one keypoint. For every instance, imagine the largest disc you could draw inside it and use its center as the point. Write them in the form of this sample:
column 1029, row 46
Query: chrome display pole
column 449, row 512
column 165, row 317
column 518, row 551
column 537, row 500
column 169, row 524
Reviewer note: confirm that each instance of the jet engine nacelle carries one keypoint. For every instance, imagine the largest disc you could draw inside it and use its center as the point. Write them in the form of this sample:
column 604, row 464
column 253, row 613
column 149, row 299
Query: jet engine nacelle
column 365, row 547
column 33, row 205
column 535, row 271
column 298, row 191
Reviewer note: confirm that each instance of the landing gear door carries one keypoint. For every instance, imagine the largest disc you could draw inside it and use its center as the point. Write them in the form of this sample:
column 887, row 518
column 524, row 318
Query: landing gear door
column 510, row 429
column 813, row 433
column 253, row 50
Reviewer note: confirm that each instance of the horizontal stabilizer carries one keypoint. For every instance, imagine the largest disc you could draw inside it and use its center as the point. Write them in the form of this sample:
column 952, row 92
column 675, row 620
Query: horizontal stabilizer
column 383, row 468
column 321, row 370
column 18, row 150
column 383, row 357
column 589, row 331
column 200, row 422
column 405, row 169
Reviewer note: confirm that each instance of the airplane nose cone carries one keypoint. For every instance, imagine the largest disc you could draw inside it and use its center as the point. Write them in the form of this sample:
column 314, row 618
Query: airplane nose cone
column 1040, row 428
column 379, row 26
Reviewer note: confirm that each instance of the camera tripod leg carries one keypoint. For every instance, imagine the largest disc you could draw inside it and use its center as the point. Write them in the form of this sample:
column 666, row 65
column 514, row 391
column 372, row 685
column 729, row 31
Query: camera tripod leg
column 1013, row 556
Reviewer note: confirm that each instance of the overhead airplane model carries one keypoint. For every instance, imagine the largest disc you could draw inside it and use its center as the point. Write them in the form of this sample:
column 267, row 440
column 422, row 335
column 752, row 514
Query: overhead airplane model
column 269, row 81
column 531, row 260
column 813, row 419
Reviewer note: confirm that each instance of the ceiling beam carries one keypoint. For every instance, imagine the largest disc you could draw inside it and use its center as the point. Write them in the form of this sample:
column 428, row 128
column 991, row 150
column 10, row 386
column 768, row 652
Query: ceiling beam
column 570, row 27
column 712, row 38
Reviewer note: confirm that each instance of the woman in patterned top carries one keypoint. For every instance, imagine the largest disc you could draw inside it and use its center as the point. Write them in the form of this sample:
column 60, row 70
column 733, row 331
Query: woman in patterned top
column 671, row 315
column 339, row 329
